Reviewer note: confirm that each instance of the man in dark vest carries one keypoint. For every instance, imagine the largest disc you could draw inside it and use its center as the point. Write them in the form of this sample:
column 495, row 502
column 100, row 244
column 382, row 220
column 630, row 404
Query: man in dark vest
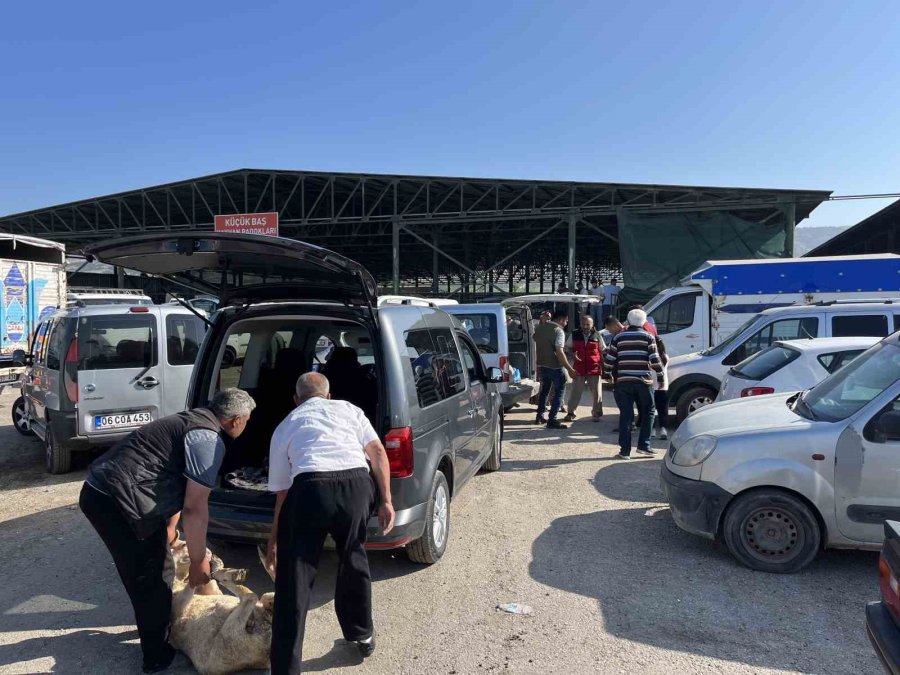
column 587, row 347
column 134, row 493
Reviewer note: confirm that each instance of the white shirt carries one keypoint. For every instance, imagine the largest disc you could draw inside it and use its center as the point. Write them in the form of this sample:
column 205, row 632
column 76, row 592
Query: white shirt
column 319, row 435
column 611, row 294
column 598, row 291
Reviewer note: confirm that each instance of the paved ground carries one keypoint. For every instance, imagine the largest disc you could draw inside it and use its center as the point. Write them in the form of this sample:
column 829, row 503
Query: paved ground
column 586, row 541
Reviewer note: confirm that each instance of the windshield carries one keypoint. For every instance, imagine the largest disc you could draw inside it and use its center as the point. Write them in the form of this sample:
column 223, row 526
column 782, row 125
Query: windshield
column 654, row 300
column 719, row 348
column 839, row 396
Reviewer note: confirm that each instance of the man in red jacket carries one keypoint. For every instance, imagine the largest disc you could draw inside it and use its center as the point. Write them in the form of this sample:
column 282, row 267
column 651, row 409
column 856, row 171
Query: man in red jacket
column 587, row 347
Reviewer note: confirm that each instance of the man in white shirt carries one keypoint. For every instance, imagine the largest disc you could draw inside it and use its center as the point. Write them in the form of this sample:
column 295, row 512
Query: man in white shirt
column 610, row 297
column 318, row 470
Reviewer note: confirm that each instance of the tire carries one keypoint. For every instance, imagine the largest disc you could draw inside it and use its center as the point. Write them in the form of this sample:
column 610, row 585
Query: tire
column 772, row 531
column 492, row 463
column 20, row 417
column 57, row 456
column 430, row 547
column 229, row 356
column 693, row 399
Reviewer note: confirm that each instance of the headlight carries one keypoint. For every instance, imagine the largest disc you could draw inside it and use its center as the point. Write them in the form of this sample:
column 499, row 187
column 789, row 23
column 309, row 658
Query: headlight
column 695, row 450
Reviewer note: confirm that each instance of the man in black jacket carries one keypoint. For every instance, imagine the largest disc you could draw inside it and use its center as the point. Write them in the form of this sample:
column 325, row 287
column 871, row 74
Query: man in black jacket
column 134, row 493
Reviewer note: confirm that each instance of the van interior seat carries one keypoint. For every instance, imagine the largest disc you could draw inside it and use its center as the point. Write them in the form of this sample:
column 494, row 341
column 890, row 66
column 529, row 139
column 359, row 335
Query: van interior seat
column 132, row 353
column 349, row 381
column 173, row 346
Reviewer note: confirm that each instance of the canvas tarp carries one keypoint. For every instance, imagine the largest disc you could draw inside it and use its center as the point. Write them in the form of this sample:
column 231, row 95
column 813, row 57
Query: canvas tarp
column 657, row 250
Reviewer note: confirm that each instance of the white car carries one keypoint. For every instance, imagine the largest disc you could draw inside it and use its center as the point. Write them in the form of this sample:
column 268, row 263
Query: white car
column 791, row 365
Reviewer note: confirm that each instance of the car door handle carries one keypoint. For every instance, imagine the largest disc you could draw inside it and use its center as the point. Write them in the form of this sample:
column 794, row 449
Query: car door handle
column 692, row 335
column 148, row 382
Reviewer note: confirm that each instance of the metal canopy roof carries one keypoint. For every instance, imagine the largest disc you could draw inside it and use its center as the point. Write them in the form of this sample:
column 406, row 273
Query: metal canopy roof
column 879, row 233
column 508, row 228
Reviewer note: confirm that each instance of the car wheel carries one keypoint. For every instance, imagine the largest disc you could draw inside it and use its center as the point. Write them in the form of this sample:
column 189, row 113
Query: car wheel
column 694, row 399
column 429, row 548
column 229, row 356
column 58, row 456
column 772, row 531
column 20, row 417
column 492, row 463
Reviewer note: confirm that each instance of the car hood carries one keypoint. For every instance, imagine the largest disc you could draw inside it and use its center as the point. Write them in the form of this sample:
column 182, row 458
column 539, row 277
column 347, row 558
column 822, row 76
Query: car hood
column 755, row 413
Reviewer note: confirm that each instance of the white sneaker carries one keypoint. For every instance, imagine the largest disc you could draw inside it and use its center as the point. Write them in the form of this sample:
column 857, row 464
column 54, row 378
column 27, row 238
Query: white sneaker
column 663, row 434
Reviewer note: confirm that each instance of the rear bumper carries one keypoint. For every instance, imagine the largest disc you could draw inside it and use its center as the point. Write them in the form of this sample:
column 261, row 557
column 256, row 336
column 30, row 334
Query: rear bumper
column 696, row 506
column 65, row 428
column 518, row 392
column 884, row 636
column 250, row 524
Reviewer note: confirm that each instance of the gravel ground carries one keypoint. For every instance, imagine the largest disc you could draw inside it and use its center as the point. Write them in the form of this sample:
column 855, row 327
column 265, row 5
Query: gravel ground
column 586, row 541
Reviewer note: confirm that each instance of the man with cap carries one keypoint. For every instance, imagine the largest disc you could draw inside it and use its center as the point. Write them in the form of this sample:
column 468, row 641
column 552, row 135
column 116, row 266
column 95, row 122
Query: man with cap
column 633, row 362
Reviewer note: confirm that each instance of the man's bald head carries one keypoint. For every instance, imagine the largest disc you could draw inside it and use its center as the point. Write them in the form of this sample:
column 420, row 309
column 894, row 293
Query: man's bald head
column 311, row 385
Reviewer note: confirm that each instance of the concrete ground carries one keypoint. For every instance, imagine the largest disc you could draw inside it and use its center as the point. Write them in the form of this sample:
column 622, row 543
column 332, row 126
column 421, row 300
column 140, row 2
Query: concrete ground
column 587, row 542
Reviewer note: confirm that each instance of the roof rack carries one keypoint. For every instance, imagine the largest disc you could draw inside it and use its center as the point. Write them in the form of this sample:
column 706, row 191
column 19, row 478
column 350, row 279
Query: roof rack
column 105, row 291
column 869, row 301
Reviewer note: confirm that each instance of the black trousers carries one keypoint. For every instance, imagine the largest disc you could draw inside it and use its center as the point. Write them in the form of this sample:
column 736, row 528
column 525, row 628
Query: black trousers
column 140, row 566
column 336, row 503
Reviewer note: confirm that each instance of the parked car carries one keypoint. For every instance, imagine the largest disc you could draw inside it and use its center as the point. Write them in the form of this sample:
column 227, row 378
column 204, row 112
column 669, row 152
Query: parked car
column 414, row 300
column 493, row 328
column 417, row 376
column 780, row 477
column 695, row 379
column 883, row 617
column 791, row 365
column 575, row 305
column 96, row 373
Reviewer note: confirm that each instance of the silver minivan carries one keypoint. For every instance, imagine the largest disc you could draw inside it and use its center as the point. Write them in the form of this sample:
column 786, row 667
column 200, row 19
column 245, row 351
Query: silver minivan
column 780, row 477
column 287, row 308
column 96, row 373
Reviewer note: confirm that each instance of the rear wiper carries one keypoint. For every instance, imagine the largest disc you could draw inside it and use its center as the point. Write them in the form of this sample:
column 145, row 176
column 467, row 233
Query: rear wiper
column 193, row 311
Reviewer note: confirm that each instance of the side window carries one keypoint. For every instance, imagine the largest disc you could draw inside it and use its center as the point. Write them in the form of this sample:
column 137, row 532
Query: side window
column 56, row 344
column 896, row 322
column 885, row 426
column 419, row 349
column 450, row 373
column 837, row 360
column 675, row 314
column 40, row 339
column 324, row 348
column 472, row 362
column 233, row 360
column 117, row 341
column 785, row 329
column 183, row 336
column 874, row 325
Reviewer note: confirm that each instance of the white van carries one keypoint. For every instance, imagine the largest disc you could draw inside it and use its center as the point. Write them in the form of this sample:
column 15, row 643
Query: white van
column 504, row 336
column 695, row 379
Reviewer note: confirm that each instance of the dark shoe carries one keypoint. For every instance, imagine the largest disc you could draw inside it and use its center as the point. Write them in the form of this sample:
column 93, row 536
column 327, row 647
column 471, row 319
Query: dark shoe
column 366, row 649
column 562, row 409
column 162, row 664
column 556, row 424
column 621, row 456
column 569, row 418
column 648, row 453
column 540, row 420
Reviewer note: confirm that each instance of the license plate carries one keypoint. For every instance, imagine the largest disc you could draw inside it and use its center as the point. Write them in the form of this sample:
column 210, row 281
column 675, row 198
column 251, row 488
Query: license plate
column 121, row 420
column 6, row 378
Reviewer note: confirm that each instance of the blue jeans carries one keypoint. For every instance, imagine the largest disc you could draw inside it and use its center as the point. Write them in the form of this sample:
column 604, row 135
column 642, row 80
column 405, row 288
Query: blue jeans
column 555, row 378
column 629, row 394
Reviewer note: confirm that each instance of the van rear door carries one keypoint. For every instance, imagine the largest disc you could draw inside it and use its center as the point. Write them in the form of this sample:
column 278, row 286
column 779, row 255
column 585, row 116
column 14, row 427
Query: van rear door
column 120, row 371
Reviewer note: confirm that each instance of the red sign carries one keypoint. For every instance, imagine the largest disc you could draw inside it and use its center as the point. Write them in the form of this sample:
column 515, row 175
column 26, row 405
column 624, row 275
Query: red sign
column 249, row 223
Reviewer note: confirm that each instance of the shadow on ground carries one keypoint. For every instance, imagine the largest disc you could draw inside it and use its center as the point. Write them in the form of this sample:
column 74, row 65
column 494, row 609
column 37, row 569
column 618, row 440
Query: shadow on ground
column 657, row 585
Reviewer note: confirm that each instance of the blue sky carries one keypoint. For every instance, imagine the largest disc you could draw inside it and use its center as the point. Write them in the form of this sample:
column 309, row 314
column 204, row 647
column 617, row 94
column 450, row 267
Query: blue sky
column 103, row 97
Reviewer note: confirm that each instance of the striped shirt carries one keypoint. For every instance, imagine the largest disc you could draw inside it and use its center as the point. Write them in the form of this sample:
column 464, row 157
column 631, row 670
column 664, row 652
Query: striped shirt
column 632, row 356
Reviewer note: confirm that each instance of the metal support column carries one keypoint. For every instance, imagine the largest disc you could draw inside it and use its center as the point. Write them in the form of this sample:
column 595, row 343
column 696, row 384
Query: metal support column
column 790, row 223
column 435, row 262
column 120, row 277
column 396, row 256
column 573, row 221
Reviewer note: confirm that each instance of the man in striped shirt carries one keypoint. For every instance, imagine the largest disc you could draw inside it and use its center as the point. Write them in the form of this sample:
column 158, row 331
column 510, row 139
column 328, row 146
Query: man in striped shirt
column 633, row 362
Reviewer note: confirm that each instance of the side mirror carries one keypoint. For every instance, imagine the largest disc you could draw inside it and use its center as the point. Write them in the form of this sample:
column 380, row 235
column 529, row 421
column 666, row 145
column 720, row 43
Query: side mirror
column 887, row 426
column 18, row 357
column 494, row 375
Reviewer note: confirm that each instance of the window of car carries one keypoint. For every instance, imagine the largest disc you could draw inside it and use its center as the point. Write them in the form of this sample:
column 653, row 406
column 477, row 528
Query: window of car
column 183, row 336
column 869, row 325
column 884, row 427
column 776, row 331
column 482, row 328
column 56, row 344
column 842, row 394
column 472, row 362
column 836, row 360
column 451, row 381
column 436, row 364
column 765, row 363
column 676, row 313
column 117, row 341
column 37, row 347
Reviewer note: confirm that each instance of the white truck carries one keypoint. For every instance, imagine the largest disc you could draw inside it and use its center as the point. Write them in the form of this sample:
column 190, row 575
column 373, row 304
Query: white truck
column 719, row 297
column 743, row 306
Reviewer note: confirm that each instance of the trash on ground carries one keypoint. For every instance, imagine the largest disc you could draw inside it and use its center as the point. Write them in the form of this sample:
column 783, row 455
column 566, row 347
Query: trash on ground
column 515, row 608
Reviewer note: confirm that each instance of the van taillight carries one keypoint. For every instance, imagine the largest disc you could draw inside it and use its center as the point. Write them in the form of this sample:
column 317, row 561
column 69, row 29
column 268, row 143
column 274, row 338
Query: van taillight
column 139, row 310
column 756, row 391
column 70, row 371
column 890, row 591
column 399, row 446
column 504, row 367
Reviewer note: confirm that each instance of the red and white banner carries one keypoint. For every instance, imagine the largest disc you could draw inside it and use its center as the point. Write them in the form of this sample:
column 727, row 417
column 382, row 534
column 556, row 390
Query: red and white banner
column 248, row 223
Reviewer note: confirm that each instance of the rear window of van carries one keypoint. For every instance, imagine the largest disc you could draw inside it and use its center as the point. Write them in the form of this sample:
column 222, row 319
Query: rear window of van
column 482, row 328
column 117, row 341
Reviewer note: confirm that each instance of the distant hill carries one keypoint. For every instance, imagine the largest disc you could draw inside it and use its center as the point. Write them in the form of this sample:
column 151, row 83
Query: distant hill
column 807, row 238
